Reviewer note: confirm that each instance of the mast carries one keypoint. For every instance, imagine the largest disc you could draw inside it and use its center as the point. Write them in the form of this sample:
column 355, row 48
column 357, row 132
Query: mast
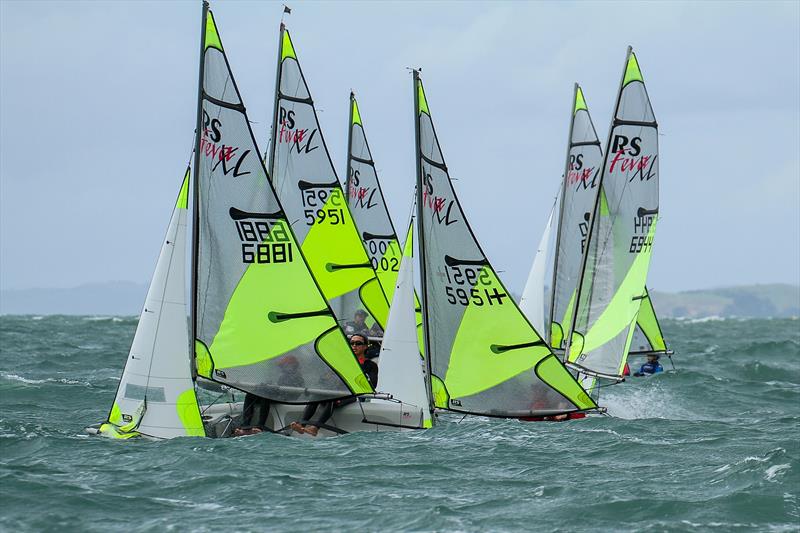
column 349, row 150
column 421, row 245
column 549, row 327
column 273, row 147
column 196, row 189
column 585, row 255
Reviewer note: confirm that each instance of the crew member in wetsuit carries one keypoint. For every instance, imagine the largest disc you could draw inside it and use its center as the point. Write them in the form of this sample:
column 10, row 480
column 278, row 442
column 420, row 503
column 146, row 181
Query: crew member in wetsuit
column 652, row 366
column 256, row 408
column 324, row 410
column 358, row 325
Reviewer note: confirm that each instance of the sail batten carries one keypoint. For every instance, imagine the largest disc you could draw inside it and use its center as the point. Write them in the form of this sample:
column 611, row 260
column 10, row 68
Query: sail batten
column 484, row 356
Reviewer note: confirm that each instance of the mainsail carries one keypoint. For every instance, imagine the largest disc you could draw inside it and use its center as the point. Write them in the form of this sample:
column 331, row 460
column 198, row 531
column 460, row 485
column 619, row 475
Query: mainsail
column 648, row 337
column 484, row 357
column 305, row 181
column 261, row 323
column 368, row 205
column 578, row 197
column 156, row 396
column 621, row 229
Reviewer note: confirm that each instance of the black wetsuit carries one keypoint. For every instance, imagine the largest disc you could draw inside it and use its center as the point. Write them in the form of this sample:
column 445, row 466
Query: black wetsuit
column 256, row 409
column 326, row 408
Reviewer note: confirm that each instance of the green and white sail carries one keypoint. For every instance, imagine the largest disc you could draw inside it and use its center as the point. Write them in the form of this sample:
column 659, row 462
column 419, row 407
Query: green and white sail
column 368, row 205
column 578, row 197
column 156, row 395
column 258, row 313
column 621, row 229
column 306, row 183
column 484, row 356
column 648, row 337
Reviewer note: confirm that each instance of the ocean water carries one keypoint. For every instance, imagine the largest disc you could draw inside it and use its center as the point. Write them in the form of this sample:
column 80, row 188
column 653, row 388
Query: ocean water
column 711, row 445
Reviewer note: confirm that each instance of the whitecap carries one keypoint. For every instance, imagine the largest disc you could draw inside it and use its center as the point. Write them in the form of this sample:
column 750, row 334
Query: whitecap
column 14, row 377
column 28, row 381
column 775, row 471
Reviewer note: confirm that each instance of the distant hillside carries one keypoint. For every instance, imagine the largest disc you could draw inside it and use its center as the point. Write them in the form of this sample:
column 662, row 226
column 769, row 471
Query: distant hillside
column 110, row 298
column 127, row 298
column 775, row 300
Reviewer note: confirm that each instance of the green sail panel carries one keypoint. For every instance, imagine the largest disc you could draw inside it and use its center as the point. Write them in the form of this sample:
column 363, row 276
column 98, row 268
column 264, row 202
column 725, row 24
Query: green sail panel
column 368, row 205
column 647, row 337
column 621, row 232
column 306, row 184
column 484, row 355
column 262, row 325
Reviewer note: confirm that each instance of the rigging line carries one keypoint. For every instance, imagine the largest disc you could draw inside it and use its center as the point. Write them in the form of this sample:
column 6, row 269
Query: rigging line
column 670, row 361
column 606, row 385
column 221, row 394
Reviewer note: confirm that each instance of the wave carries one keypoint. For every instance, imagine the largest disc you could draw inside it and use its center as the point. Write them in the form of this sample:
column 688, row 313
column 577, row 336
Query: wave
column 29, row 381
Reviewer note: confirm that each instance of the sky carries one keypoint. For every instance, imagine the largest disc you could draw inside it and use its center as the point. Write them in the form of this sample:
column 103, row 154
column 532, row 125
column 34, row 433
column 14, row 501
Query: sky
column 98, row 103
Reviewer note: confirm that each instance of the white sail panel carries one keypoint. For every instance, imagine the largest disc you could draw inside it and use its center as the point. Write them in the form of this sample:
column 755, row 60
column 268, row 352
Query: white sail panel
column 400, row 364
column 532, row 303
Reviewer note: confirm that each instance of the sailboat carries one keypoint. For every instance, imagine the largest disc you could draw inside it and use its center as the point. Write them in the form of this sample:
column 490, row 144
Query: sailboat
column 483, row 357
column 258, row 321
column 577, row 197
column 306, row 183
column 620, row 230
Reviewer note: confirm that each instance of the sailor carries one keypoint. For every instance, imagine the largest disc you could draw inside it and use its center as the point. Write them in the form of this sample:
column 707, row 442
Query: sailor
column 324, row 410
column 256, row 409
column 652, row 366
column 358, row 324
column 359, row 343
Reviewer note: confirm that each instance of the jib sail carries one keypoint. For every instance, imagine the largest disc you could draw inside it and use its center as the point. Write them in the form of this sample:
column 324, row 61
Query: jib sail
column 621, row 230
column 484, row 356
column 261, row 323
column 647, row 337
column 532, row 302
column 156, row 396
column 306, row 183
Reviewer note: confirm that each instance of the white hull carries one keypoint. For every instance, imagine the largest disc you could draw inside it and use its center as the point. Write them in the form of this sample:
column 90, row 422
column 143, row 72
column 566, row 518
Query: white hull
column 372, row 414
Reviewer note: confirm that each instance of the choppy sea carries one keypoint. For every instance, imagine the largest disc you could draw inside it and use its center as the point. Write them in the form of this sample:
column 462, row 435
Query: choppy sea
column 712, row 445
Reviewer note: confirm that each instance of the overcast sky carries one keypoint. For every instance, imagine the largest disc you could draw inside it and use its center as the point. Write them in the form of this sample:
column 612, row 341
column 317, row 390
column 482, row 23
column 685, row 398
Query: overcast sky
column 98, row 102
